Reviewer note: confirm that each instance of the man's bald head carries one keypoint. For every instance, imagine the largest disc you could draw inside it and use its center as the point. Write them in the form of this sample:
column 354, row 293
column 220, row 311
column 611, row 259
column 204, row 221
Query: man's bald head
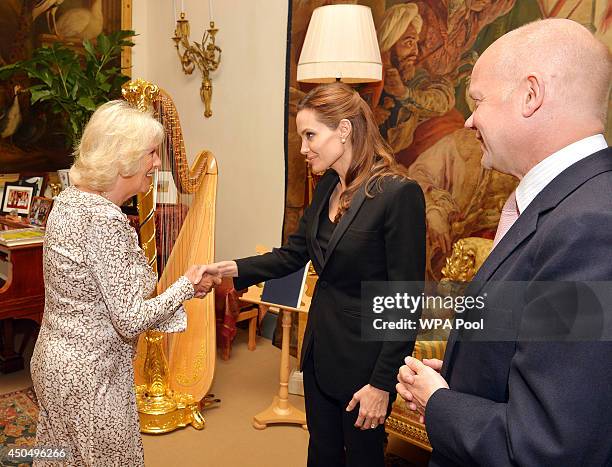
column 536, row 90
column 575, row 66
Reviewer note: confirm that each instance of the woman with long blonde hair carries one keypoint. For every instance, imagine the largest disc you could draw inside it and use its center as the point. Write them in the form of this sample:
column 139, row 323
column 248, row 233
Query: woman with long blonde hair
column 366, row 223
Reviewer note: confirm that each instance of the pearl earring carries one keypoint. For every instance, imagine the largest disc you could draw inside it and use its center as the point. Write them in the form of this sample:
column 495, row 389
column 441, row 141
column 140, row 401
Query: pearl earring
column 343, row 140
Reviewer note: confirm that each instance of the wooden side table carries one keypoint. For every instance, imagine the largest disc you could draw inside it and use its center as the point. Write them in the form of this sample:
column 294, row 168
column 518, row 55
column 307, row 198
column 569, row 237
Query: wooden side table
column 22, row 296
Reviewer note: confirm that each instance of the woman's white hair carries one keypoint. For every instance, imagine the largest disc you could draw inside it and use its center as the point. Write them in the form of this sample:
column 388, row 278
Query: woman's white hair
column 114, row 141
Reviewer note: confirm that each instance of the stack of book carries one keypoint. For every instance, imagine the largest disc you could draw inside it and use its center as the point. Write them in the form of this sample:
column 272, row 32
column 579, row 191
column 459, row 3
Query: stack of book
column 27, row 236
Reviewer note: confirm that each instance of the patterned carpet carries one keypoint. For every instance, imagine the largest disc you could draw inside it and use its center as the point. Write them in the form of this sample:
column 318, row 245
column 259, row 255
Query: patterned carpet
column 18, row 414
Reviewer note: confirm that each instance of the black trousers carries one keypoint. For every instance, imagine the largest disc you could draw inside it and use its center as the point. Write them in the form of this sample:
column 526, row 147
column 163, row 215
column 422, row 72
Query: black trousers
column 334, row 440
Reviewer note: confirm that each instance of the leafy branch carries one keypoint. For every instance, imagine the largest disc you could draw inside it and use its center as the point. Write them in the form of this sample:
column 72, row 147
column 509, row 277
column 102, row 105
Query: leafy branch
column 73, row 85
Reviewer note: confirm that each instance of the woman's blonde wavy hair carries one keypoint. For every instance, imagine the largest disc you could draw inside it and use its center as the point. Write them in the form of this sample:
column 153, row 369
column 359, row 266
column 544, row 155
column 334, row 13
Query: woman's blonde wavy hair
column 372, row 157
column 113, row 143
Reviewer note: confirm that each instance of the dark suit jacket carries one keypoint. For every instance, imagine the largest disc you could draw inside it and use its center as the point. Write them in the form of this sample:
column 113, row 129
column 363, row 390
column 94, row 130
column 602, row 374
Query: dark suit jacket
column 535, row 403
column 377, row 239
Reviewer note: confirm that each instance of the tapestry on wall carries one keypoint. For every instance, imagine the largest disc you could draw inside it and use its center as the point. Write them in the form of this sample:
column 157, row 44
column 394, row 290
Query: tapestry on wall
column 28, row 139
column 428, row 49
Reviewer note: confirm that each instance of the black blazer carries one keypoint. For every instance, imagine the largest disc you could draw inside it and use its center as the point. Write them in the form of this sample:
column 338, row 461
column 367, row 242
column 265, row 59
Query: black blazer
column 377, row 239
column 514, row 402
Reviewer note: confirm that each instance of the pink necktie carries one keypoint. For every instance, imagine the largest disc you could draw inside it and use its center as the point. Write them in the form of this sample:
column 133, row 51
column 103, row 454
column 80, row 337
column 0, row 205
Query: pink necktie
column 508, row 216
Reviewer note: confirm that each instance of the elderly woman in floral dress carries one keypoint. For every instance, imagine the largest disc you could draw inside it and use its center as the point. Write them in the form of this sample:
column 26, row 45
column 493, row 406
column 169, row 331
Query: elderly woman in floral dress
column 97, row 284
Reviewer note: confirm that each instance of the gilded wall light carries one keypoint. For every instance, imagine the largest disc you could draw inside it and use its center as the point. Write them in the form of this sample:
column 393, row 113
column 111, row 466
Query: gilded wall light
column 206, row 55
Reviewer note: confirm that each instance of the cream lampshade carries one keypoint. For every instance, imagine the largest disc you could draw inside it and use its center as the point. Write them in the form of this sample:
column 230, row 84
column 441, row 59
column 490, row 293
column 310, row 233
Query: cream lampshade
column 340, row 44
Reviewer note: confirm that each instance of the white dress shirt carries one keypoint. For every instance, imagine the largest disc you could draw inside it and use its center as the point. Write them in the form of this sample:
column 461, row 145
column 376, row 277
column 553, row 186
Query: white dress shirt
column 547, row 170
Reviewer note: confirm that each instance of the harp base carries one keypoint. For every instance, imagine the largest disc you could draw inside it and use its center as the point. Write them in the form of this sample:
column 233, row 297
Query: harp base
column 180, row 417
column 157, row 420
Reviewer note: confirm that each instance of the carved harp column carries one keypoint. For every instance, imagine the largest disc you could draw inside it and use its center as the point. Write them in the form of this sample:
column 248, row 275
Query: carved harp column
column 174, row 372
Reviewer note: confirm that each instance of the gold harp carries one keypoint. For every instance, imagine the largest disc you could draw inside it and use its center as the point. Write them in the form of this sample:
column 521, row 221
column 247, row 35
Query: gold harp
column 174, row 372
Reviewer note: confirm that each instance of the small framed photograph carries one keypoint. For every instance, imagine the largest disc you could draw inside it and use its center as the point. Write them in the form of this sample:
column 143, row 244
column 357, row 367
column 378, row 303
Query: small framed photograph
column 64, row 178
column 17, row 198
column 166, row 189
column 39, row 211
column 38, row 179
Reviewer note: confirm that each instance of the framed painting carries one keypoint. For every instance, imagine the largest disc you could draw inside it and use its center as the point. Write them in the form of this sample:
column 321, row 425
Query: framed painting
column 29, row 138
column 426, row 131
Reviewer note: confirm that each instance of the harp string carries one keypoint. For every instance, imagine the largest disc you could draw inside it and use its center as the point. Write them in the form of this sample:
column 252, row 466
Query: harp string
column 172, row 209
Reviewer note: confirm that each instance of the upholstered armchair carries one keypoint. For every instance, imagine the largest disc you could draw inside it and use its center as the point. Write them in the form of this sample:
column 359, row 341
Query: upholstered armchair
column 467, row 256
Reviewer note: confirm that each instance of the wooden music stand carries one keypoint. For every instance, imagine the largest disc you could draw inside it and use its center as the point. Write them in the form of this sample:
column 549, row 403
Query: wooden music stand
column 280, row 411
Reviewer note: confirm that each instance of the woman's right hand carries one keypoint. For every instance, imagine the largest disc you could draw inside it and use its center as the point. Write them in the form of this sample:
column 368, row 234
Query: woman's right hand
column 207, row 283
column 223, row 269
column 202, row 280
column 194, row 273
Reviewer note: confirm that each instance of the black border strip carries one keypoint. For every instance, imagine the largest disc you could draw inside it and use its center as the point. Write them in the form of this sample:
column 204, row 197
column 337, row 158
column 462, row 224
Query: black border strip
column 286, row 113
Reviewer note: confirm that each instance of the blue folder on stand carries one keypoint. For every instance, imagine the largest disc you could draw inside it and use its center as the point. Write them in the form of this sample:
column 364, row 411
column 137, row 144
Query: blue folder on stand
column 286, row 291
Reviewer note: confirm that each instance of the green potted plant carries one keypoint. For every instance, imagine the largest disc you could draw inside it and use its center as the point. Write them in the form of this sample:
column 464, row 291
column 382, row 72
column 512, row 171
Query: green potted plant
column 72, row 85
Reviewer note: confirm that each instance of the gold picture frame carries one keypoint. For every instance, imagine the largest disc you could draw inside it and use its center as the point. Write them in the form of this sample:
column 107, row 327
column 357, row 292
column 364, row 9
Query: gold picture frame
column 35, row 144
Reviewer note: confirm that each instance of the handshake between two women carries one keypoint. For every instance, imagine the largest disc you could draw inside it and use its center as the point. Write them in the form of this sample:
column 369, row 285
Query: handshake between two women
column 205, row 277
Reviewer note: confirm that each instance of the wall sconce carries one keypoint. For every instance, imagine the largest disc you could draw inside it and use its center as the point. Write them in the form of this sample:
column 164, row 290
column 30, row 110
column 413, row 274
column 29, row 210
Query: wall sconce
column 205, row 55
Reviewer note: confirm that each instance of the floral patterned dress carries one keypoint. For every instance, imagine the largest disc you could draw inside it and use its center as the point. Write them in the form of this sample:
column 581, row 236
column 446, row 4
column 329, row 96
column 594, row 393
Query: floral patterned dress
column 97, row 281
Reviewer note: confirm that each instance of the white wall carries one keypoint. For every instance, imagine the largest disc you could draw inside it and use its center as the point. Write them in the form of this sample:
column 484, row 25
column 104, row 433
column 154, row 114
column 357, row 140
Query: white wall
column 246, row 130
